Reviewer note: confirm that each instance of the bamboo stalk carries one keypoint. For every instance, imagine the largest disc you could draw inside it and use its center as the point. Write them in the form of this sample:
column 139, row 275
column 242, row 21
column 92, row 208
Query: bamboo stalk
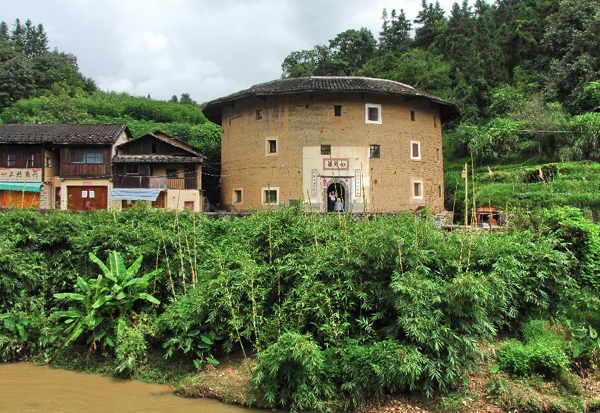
column 167, row 257
column 230, row 304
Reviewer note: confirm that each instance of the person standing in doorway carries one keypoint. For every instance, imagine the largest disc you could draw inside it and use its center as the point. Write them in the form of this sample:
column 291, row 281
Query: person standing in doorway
column 331, row 201
column 339, row 206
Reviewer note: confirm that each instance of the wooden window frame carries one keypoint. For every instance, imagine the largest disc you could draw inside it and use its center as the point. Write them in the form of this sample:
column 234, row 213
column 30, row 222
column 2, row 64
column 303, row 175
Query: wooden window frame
column 326, row 150
column 413, row 184
column 377, row 106
column 263, row 197
column 268, row 146
column 259, row 114
column 11, row 163
column 86, row 155
column 374, row 154
column 235, row 191
column 412, row 157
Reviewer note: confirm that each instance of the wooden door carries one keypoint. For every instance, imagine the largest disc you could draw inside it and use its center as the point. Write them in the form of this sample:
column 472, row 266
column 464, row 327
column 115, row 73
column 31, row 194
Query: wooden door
column 19, row 199
column 87, row 198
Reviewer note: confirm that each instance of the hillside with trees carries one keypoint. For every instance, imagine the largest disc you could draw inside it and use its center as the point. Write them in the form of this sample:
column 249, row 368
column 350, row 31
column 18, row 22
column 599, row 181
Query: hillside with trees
column 526, row 75
column 42, row 86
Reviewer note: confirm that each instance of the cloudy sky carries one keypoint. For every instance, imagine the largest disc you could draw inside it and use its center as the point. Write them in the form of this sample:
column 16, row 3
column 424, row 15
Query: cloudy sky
column 205, row 48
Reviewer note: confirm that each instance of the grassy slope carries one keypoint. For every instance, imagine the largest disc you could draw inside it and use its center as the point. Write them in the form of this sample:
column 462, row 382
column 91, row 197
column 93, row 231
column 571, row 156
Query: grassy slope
column 576, row 184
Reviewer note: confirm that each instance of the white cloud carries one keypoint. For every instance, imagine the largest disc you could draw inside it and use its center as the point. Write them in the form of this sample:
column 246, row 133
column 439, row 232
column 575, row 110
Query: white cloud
column 199, row 47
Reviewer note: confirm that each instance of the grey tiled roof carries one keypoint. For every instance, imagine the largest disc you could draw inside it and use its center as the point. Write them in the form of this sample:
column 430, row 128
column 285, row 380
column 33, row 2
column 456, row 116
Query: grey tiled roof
column 167, row 139
column 62, row 134
column 156, row 159
column 213, row 109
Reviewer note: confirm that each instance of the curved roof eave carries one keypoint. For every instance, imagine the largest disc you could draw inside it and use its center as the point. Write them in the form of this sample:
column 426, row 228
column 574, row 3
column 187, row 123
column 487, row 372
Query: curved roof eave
column 328, row 84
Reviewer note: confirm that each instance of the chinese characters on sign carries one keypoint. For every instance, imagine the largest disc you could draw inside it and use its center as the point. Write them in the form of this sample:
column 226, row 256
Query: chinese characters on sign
column 357, row 182
column 335, row 164
column 21, row 174
column 314, row 183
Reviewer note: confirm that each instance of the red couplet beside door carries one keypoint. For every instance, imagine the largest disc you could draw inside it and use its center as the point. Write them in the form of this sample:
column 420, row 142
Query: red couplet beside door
column 87, row 198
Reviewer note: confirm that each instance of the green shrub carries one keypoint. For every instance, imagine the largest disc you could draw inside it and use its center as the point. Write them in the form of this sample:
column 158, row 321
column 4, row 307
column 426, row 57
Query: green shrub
column 543, row 352
column 292, row 373
column 374, row 370
column 131, row 346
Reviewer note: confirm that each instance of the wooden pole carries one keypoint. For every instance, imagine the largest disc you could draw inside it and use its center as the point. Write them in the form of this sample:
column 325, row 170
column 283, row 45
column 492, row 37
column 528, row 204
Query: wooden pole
column 466, row 176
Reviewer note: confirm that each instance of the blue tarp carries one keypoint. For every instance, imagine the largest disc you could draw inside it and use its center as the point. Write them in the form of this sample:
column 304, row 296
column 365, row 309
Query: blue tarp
column 134, row 194
column 21, row 186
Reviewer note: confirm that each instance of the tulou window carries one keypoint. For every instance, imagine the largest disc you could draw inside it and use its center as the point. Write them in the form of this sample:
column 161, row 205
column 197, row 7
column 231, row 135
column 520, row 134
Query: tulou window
column 412, row 115
column 270, row 196
column 237, row 196
column 374, row 151
column 271, row 146
column 337, row 111
column 29, row 160
column 11, row 160
column 86, row 156
column 259, row 114
column 325, row 149
column 372, row 113
column 435, row 121
column 415, row 150
column 418, row 190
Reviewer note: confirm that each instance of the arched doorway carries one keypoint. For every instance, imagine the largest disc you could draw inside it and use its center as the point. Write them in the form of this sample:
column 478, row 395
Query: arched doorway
column 336, row 197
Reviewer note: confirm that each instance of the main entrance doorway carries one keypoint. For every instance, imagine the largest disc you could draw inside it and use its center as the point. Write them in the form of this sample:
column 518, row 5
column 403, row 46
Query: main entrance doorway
column 336, row 197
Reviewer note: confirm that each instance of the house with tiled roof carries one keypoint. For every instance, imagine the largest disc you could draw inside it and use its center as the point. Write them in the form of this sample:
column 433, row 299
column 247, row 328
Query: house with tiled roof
column 97, row 166
column 159, row 169
column 332, row 143
column 58, row 166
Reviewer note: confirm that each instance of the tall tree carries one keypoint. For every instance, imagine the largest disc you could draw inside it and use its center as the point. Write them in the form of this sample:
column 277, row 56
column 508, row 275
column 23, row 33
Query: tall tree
column 185, row 99
column 350, row 50
column 29, row 39
column 572, row 40
column 395, row 33
column 430, row 24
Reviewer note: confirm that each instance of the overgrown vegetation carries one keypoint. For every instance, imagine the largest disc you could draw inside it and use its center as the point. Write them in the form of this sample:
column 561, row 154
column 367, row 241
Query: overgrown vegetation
column 336, row 309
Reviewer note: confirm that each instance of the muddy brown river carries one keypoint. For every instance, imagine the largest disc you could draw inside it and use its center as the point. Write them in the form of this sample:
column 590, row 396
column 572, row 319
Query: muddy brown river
column 25, row 388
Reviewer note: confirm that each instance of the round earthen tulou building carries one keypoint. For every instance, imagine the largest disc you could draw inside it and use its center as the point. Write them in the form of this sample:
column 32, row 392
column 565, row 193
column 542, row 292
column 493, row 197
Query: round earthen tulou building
column 334, row 143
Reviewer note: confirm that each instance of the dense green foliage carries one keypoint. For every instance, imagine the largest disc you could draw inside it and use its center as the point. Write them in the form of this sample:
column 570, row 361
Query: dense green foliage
column 28, row 68
column 524, row 73
column 338, row 309
column 107, row 301
column 543, row 352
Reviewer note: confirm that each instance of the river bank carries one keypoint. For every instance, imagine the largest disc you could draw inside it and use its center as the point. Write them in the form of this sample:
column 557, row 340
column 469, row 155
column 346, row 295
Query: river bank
column 43, row 389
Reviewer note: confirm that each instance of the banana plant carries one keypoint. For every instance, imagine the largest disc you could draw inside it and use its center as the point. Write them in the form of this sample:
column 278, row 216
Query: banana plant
column 104, row 300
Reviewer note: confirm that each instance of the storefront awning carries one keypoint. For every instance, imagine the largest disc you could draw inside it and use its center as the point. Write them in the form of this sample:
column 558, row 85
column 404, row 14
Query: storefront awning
column 134, row 194
column 21, row 186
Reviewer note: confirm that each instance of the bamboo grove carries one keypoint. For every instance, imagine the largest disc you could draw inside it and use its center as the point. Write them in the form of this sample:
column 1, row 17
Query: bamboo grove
column 334, row 309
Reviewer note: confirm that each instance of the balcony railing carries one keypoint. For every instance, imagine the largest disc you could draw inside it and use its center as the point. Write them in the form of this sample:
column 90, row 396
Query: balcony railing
column 155, row 182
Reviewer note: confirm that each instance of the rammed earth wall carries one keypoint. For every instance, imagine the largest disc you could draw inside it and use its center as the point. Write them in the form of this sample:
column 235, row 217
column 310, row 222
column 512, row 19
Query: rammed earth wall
column 301, row 123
